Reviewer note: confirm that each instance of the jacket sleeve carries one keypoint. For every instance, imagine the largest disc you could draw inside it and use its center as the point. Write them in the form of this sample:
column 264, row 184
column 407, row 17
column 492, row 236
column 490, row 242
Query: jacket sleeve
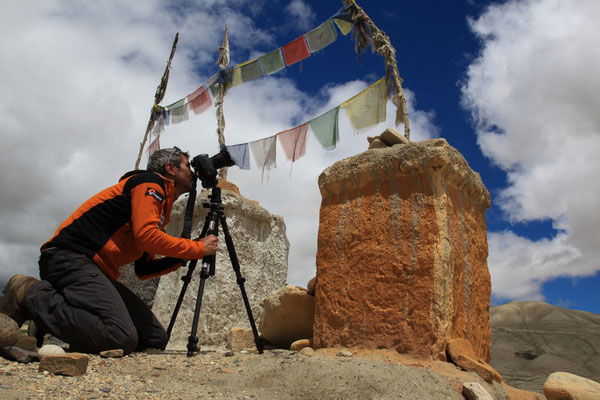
column 147, row 203
column 147, row 268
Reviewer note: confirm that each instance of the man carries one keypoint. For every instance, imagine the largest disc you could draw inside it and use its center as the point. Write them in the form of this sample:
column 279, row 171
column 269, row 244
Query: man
column 78, row 299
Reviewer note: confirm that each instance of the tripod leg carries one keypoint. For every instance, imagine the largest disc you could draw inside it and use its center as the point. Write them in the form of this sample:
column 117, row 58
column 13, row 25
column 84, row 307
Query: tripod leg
column 186, row 281
column 192, row 345
column 240, row 281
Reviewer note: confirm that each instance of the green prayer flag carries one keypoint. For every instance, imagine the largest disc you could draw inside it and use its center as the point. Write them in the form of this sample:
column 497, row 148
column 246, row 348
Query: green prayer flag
column 251, row 70
column 272, row 62
column 322, row 36
column 325, row 128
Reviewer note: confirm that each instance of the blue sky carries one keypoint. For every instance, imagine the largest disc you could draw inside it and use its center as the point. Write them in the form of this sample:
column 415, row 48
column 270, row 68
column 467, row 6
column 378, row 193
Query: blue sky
column 510, row 84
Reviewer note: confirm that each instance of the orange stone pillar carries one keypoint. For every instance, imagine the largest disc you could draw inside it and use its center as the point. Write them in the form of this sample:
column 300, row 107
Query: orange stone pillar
column 402, row 252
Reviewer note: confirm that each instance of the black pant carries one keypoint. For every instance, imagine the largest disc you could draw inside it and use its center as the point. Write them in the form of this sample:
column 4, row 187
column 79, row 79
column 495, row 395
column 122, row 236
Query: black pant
column 78, row 304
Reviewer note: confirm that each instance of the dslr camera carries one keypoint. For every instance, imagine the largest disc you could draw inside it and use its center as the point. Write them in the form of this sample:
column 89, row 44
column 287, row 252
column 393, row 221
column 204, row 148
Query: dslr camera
column 206, row 167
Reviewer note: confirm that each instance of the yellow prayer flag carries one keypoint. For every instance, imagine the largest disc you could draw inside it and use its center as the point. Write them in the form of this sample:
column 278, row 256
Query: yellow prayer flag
column 345, row 26
column 367, row 108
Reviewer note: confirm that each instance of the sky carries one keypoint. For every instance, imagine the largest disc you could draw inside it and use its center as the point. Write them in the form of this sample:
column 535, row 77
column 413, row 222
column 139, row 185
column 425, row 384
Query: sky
column 511, row 84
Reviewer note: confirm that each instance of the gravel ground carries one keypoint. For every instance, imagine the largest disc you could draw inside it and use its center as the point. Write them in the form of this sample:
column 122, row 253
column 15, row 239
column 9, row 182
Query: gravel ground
column 274, row 375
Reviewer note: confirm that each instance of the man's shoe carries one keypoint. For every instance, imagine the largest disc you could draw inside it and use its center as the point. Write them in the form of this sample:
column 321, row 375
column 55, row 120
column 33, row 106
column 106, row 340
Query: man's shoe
column 14, row 293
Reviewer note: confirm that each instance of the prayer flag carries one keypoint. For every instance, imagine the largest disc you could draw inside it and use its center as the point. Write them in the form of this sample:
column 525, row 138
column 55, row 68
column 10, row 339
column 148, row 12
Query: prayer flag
column 295, row 51
column 233, row 77
column 178, row 111
column 325, row 128
column 344, row 26
column 272, row 62
column 322, row 36
column 368, row 107
column 199, row 101
column 251, row 70
column 264, row 152
column 155, row 145
column 293, row 142
column 240, row 155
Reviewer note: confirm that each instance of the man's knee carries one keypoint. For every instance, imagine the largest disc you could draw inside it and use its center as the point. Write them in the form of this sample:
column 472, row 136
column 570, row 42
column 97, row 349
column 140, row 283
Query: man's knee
column 126, row 340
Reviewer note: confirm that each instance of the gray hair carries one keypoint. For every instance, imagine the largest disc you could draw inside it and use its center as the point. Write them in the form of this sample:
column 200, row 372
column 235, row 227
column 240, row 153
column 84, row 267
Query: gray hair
column 162, row 157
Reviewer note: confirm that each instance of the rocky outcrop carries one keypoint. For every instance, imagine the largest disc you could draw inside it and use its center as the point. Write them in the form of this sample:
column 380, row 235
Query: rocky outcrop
column 533, row 339
column 461, row 354
column 262, row 250
column 288, row 316
column 402, row 252
column 562, row 385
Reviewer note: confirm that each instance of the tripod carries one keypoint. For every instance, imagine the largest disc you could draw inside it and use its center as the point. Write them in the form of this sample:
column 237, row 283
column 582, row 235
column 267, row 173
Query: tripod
column 211, row 227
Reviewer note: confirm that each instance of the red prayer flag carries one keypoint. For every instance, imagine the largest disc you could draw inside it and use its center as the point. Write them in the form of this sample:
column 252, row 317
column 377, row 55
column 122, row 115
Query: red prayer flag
column 199, row 101
column 293, row 142
column 295, row 51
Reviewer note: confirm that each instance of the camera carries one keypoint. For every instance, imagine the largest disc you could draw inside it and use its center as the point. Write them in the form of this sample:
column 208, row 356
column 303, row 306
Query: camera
column 206, row 167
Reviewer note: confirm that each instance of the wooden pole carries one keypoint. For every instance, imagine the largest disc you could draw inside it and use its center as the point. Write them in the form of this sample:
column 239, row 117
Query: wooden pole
column 158, row 96
column 381, row 43
column 223, row 62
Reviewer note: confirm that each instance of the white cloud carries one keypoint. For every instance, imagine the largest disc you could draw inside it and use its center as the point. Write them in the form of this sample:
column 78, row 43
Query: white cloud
column 300, row 14
column 78, row 86
column 533, row 93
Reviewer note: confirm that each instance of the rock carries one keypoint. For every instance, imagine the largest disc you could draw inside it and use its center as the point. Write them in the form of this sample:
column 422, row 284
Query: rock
column 565, row 386
column 288, row 316
column 461, row 353
column 71, row 364
column 391, row 137
column 307, row 351
column 262, row 250
column 18, row 354
column 474, row 391
column 50, row 350
column 26, row 343
column 377, row 144
column 312, row 286
column 9, row 331
column 344, row 353
column 518, row 394
column 239, row 339
column 300, row 344
column 402, row 254
column 532, row 339
column 116, row 353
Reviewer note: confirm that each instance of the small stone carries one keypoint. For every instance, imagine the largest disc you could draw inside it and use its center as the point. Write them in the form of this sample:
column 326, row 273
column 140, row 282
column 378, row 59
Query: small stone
column 239, row 338
column 307, row 351
column 17, row 354
column 474, row 391
column 26, row 343
column 9, row 331
column 115, row 353
column 300, row 344
column 392, row 137
column 71, row 364
column 562, row 385
column 229, row 353
column 311, row 287
column 50, row 349
column 105, row 389
column 226, row 371
column 344, row 353
column 378, row 144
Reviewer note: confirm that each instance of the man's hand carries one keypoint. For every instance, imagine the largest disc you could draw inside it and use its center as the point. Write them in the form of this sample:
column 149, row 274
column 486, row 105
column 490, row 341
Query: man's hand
column 210, row 244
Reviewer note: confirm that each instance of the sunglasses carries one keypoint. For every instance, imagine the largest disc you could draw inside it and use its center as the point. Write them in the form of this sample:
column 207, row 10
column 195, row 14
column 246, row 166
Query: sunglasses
column 175, row 150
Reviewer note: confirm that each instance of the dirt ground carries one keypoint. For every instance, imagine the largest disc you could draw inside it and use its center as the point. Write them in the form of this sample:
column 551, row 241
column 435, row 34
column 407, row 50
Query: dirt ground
column 276, row 374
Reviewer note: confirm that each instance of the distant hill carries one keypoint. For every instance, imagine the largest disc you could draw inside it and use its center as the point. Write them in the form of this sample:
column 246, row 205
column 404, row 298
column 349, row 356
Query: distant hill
column 532, row 339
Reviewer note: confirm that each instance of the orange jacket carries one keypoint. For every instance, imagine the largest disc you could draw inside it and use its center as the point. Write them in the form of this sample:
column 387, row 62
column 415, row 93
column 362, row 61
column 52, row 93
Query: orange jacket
column 125, row 223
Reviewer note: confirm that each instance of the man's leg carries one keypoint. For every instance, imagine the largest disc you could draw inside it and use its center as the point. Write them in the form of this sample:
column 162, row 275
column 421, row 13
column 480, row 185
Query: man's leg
column 151, row 334
column 77, row 303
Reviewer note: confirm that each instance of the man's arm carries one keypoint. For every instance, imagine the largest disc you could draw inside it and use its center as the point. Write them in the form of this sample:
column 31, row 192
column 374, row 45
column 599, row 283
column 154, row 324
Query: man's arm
column 147, row 203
